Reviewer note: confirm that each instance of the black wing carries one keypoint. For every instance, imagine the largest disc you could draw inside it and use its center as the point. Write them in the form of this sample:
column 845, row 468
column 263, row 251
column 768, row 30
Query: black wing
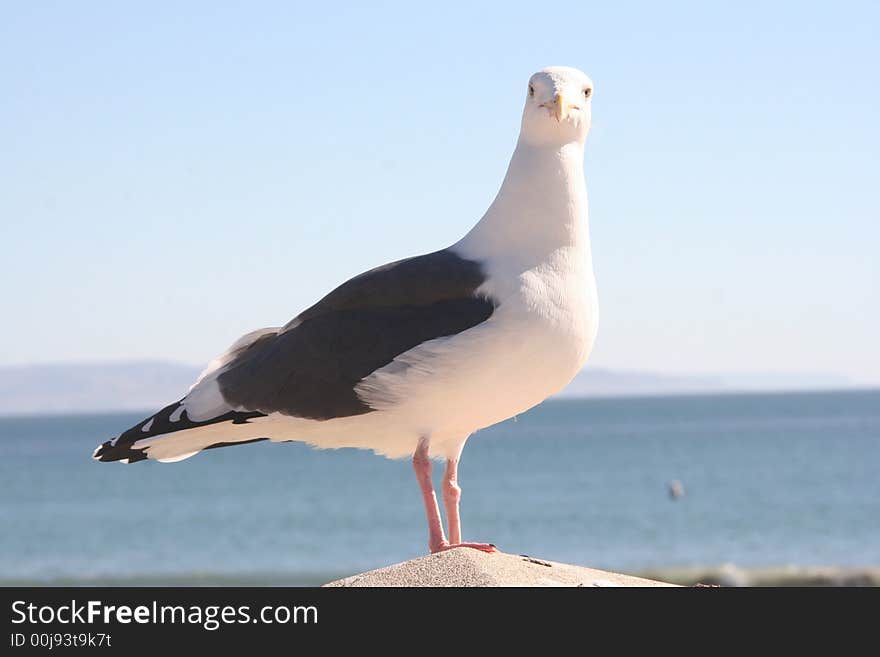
column 311, row 366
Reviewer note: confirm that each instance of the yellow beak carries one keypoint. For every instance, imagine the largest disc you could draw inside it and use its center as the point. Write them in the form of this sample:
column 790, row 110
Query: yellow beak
column 561, row 107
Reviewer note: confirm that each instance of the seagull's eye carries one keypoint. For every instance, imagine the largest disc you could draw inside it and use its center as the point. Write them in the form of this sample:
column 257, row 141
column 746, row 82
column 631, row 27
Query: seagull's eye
column 588, row 92
column 531, row 91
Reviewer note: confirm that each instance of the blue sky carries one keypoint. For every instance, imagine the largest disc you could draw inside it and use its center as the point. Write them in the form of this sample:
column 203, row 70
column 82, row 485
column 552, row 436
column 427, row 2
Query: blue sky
column 173, row 176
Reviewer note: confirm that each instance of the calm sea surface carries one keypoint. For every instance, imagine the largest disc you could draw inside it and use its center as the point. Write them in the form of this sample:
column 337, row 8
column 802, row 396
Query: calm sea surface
column 770, row 480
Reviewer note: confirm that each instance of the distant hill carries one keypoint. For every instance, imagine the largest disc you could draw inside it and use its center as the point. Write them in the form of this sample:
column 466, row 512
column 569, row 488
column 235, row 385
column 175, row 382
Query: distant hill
column 146, row 385
column 598, row 382
column 92, row 387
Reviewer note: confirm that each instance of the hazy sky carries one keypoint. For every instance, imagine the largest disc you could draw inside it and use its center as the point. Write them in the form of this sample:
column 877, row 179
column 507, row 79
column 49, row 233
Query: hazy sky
column 175, row 174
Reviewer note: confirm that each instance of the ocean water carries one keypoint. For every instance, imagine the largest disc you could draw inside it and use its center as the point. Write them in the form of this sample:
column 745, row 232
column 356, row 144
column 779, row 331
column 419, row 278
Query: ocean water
column 770, row 480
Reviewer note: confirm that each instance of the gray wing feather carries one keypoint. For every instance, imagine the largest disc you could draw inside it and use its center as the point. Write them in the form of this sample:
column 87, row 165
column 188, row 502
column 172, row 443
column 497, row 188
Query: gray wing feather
column 311, row 366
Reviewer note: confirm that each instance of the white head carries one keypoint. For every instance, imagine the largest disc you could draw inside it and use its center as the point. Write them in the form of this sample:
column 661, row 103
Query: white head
column 557, row 108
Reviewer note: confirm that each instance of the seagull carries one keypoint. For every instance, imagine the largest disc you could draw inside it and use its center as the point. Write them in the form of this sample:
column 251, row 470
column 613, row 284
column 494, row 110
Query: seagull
column 411, row 358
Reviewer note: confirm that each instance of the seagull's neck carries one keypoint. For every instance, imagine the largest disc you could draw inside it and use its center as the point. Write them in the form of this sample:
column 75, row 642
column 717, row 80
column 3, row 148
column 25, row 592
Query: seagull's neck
column 540, row 208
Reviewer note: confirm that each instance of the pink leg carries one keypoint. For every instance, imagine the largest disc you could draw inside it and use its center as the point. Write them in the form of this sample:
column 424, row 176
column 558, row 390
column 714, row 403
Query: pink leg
column 422, row 465
column 451, row 493
column 451, row 498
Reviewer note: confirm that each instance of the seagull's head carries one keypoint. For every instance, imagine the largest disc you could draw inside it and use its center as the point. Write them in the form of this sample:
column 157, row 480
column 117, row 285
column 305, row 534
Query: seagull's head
column 557, row 111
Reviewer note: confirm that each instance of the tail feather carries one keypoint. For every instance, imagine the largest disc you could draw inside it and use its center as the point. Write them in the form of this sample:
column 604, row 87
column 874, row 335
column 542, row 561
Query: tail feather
column 134, row 444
